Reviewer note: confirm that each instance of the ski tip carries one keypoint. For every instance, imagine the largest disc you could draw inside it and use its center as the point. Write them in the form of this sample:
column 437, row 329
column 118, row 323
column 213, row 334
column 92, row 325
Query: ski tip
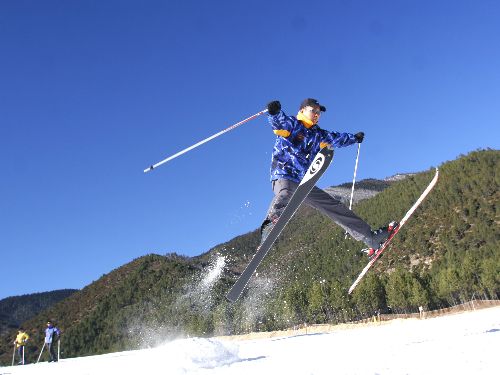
column 435, row 178
column 235, row 292
column 353, row 286
column 231, row 297
column 351, row 289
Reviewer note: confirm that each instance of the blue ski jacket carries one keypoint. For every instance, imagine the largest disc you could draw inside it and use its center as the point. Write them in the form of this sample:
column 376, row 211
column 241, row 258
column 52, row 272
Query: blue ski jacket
column 51, row 334
column 297, row 144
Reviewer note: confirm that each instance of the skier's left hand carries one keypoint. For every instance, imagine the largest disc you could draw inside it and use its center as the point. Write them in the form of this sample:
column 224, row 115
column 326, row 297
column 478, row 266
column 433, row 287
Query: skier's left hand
column 359, row 137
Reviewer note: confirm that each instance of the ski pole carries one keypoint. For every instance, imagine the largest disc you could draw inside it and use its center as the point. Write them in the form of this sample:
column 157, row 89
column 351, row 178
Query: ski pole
column 23, row 354
column 234, row 126
column 354, row 180
column 58, row 349
column 14, row 354
column 41, row 351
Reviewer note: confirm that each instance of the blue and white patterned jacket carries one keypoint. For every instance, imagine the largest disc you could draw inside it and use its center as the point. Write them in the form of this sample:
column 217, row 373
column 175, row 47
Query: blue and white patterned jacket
column 297, row 144
column 51, row 334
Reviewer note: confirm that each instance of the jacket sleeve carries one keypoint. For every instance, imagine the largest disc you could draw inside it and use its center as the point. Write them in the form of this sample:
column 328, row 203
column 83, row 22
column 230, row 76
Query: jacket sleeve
column 337, row 140
column 281, row 124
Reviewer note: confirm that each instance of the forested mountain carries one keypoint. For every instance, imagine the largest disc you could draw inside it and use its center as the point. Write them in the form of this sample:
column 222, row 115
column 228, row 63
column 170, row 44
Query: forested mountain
column 15, row 310
column 448, row 252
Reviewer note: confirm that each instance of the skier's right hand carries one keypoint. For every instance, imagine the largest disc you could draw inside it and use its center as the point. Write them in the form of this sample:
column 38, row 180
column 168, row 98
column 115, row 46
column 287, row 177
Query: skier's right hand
column 274, row 107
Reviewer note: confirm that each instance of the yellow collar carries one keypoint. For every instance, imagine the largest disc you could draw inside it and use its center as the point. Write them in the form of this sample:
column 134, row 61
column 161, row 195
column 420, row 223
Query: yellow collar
column 305, row 121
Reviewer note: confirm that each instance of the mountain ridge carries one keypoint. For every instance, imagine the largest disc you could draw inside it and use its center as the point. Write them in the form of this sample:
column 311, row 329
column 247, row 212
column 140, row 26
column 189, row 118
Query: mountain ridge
column 17, row 309
column 449, row 252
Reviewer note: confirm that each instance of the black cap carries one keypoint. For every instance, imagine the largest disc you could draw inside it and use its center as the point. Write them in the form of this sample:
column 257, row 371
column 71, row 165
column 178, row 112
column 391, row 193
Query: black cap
column 313, row 103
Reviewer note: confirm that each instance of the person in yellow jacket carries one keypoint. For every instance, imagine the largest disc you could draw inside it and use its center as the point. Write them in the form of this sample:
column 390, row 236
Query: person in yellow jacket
column 21, row 340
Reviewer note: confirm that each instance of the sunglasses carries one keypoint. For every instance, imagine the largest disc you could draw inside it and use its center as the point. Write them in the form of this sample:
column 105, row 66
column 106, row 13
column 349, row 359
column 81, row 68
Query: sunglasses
column 316, row 111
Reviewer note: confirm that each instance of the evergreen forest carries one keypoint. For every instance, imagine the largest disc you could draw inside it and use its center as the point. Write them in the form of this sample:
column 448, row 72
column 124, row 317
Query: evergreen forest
column 448, row 253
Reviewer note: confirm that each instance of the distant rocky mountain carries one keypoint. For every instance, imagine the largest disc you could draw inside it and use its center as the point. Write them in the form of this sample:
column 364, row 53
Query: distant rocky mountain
column 399, row 177
column 16, row 310
column 363, row 189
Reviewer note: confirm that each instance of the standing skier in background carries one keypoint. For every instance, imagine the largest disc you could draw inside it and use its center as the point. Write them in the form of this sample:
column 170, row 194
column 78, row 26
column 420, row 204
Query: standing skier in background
column 298, row 141
column 20, row 343
column 52, row 334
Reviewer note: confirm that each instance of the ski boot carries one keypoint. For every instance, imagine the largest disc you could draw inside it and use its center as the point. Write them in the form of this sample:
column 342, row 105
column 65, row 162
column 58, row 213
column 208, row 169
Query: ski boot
column 380, row 236
column 266, row 228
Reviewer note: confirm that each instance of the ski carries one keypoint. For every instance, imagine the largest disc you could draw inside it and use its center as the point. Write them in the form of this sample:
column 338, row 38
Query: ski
column 395, row 231
column 316, row 169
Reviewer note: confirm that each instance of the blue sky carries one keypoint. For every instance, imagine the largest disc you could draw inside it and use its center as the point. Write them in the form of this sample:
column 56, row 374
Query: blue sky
column 93, row 92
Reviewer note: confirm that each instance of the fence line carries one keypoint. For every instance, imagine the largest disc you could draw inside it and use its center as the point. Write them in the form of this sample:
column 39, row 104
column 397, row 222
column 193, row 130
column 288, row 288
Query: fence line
column 304, row 329
column 467, row 306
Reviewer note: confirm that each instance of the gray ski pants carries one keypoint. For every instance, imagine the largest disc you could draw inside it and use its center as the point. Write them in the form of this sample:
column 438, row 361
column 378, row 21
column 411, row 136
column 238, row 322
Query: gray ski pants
column 333, row 208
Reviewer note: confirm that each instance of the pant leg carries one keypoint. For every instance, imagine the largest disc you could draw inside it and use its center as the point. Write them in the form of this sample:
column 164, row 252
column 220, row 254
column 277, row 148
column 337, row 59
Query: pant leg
column 283, row 190
column 340, row 214
column 51, row 351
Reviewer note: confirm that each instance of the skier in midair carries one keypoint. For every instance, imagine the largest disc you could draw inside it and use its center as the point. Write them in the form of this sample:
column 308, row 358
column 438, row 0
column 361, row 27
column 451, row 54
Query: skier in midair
column 298, row 140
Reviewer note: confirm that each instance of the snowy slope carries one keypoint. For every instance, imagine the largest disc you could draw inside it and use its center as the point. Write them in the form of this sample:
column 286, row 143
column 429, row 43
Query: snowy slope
column 466, row 343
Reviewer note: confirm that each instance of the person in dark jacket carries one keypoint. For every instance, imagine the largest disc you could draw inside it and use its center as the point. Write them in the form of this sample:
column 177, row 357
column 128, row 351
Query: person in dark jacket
column 298, row 140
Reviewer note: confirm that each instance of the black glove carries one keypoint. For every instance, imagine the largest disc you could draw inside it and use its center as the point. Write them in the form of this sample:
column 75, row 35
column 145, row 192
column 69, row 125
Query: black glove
column 359, row 137
column 274, row 107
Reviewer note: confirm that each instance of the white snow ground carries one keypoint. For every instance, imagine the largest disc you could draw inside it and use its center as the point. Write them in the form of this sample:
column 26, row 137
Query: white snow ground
column 466, row 343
